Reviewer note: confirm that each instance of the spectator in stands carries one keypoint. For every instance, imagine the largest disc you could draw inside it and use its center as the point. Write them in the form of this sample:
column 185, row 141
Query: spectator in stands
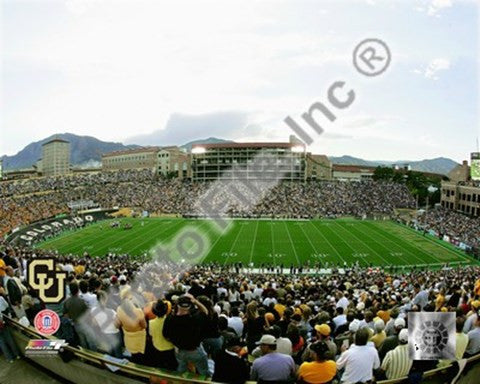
column 133, row 324
column 212, row 341
column 272, row 367
column 235, row 321
column 391, row 342
column 421, row 296
column 379, row 337
column 184, row 329
column 359, row 360
column 397, row 364
column 77, row 310
column 7, row 343
column 321, row 370
column 323, row 332
column 473, row 346
column 164, row 350
column 105, row 319
column 230, row 366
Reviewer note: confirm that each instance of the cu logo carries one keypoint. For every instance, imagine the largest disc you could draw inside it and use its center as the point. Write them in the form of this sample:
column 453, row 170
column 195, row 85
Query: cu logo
column 46, row 280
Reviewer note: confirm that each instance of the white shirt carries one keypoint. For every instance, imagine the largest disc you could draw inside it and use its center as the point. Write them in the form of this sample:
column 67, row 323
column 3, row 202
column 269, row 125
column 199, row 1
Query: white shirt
column 104, row 318
column 237, row 324
column 359, row 363
column 257, row 292
column 90, row 299
column 269, row 300
column 343, row 302
column 222, row 290
column 340, row 320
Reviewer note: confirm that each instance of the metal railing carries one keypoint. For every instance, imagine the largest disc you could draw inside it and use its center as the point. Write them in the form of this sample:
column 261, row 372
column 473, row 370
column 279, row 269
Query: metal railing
column 143, row 372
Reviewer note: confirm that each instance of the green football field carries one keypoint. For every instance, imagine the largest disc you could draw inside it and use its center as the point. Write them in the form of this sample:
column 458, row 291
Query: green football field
column 377, row 243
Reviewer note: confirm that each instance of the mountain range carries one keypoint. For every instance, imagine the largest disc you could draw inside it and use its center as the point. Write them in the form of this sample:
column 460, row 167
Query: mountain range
column 441, row 165
column 87, row 151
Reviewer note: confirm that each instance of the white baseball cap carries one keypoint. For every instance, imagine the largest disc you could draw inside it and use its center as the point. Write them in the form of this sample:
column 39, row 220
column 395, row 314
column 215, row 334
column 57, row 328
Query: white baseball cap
column 268, row 340
column 403, row 335
column 399, row 323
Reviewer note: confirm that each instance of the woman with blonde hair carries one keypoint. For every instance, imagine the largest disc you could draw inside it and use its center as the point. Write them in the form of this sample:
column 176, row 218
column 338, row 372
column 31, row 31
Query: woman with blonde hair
column 253, row 325
column 132, row 321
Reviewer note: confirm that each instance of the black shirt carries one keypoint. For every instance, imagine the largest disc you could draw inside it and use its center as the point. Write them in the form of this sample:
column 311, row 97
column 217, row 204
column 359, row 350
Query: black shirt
column 230, row 369
column 185, row 332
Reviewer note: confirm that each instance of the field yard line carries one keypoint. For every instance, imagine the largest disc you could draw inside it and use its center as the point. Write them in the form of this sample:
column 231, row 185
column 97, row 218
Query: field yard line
column 74, row 249
column 216, row 241
column 233, row 244
column 169, row 236
column 457, row 252
column 412, row 244
column 253, row 243
column 273, row 244
column 108, row 237
column 94, row 240
column 407, row 262
column 365, row 244
column 328, row 242
column 150, row 231
column 291, row 242
column 308, row 238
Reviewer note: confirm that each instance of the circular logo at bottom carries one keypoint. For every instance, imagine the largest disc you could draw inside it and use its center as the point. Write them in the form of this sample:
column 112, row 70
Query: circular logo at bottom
column 47, row 322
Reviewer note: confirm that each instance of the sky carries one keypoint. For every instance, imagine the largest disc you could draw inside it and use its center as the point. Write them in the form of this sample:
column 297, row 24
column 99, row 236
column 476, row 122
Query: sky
column 161, row 73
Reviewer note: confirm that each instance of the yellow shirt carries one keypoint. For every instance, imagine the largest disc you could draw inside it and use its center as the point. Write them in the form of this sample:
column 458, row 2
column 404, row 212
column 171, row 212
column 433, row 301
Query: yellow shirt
column 79, row 269
column 3, row 266
column 135, row 336
column 378, row 339
column 317, row 372
column 156, row 331
column 280, row 308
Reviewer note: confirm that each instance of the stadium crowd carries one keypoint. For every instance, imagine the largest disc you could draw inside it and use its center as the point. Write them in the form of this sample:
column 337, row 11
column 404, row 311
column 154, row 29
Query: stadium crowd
column 229, row 324
column 446, row 222
column 29, row 200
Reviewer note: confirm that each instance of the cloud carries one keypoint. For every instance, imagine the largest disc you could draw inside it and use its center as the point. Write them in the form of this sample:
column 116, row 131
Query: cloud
column 181, row 128
column 435, row 66
column 437, row 5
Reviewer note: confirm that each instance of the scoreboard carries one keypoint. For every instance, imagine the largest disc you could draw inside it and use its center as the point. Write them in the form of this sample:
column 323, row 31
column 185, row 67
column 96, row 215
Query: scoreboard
column 475, row 166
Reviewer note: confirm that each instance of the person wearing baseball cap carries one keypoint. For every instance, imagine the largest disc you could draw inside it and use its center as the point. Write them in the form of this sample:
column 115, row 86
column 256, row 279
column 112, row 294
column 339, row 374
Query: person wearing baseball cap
column 391, row 342
column 272, row 366
column 397, row 363
column 322, row 369
column 184, row 330
column 230, row 367
column 323, row 332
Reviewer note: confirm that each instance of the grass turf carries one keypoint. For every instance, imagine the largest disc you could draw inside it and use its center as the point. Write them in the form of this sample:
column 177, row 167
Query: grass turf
column 377, row 243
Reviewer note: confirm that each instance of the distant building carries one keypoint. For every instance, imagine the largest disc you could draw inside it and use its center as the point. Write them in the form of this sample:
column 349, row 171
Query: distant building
column 138, row 158
column 56, row 157
column 210, row 161
column 352, row 172
column 318, row 167
column 461, row 173
column 459, row 197
column 460, row 193
column 174, row 162
column 167, row 161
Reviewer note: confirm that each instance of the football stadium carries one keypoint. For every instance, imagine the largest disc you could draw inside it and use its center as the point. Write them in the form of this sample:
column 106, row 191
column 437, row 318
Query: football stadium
column 271, row 243
column 261, row 192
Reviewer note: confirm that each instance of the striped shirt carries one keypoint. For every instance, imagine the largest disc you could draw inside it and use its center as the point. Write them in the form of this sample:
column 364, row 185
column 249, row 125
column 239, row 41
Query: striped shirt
column 397, row 363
